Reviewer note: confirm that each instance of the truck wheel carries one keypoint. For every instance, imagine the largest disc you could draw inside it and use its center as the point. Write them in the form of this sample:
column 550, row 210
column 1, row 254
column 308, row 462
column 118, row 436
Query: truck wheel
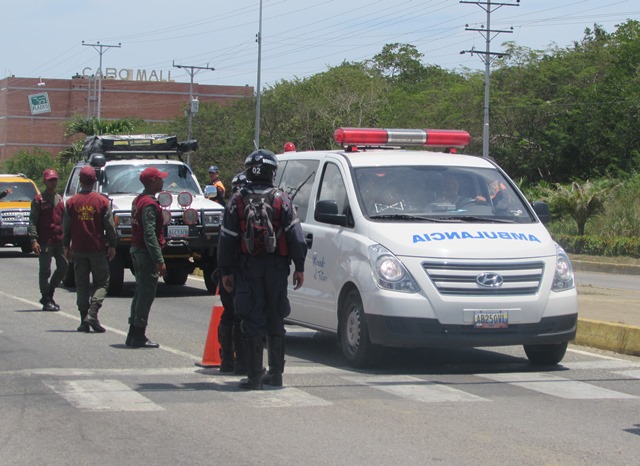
column 545, row 354
column 70, row 278
column 176, row 276
column 353, row 333
column 26, row 248
column 116, row 275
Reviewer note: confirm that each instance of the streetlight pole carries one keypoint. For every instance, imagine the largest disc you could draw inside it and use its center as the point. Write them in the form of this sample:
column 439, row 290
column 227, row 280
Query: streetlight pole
column 100, row 49
column 487, row 57
column 256, row 137
column 192, row 70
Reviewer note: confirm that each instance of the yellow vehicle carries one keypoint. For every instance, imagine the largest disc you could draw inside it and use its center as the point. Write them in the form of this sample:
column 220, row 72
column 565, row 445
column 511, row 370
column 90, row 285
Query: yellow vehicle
column 14, row 210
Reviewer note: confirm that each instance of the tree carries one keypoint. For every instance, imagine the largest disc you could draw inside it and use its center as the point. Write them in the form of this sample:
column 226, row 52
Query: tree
column 580, row 200
column 31, row 163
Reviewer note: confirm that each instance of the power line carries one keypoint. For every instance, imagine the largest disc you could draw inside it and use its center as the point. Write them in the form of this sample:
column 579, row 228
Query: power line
column 100, row 49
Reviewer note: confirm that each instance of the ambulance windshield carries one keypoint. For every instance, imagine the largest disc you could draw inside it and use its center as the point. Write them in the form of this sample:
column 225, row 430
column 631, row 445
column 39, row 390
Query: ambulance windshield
column 419, row 192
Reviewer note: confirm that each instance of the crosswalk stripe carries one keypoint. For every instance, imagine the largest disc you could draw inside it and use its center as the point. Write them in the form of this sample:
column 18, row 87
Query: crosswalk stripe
column 414, row 389
column 102, row 395
column 599, row 364
column 633, row 373
column 556, row 386
column 285, row 397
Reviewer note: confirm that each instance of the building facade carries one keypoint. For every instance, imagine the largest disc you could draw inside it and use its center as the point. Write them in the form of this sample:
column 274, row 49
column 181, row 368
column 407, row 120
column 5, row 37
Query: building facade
column 35, row 111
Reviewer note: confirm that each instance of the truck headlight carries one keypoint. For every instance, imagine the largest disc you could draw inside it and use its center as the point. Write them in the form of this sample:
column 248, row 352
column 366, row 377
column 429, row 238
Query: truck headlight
column 389, row 272
column 211, row 218
column 122, row 220
column 563, row 278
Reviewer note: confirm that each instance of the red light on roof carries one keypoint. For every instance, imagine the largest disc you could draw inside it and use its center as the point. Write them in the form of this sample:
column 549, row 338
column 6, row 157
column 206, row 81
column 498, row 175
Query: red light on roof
column 289, row 147
column 402, row 137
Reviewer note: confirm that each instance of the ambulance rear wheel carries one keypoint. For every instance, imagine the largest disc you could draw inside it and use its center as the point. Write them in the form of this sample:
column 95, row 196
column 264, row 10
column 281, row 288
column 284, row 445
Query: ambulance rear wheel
column 353, row 333
column 545, row 355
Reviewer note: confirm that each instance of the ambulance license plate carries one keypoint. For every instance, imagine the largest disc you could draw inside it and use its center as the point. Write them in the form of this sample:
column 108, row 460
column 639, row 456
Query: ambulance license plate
column 490, row 319
column 20, row 231
column 177, row 231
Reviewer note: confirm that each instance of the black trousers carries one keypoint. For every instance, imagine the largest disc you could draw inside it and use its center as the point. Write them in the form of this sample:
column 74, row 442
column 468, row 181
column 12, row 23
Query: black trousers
column 261, row 299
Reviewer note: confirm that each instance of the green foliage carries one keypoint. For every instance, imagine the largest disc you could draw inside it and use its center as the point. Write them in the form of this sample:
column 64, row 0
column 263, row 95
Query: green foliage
column 31, row 163
column 580, row 200
column 599, row 246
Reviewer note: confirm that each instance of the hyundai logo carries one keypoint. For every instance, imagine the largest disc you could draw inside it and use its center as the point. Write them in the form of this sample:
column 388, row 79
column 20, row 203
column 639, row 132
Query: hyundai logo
column 489, row 280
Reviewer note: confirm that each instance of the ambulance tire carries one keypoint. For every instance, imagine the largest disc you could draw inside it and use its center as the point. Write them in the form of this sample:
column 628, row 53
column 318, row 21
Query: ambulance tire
column 546, row 355
column 353, row 333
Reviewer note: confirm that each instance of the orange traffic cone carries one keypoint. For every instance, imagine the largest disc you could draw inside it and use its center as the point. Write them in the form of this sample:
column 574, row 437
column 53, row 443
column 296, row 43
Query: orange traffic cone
column 211, row 355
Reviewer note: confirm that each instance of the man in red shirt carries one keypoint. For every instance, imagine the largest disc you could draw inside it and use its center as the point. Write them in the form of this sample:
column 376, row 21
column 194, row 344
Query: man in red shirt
column 147, row 241
column 89, row 238
column 45, row 231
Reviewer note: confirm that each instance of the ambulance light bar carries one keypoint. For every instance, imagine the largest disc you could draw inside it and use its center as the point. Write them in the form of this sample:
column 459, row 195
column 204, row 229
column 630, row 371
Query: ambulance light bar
column 401, row 137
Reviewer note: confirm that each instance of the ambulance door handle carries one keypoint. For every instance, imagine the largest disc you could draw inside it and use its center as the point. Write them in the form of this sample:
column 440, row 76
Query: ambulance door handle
column 309, row 240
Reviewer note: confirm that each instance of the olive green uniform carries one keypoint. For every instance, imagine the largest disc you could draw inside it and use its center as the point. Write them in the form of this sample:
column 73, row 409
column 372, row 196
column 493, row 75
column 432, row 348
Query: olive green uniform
column 145, row 262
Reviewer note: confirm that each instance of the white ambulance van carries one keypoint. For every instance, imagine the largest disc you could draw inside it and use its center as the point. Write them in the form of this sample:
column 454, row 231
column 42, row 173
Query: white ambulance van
column 414, row 248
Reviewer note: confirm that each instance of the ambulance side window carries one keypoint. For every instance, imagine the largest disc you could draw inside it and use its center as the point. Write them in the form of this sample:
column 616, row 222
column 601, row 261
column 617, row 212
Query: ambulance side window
column 333, row 188
column 297, row 180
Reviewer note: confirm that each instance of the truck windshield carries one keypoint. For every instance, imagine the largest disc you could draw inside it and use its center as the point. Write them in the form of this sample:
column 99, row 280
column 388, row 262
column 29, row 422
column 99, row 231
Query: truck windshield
column 125, row 179
column 456, row 193
column 22, row 192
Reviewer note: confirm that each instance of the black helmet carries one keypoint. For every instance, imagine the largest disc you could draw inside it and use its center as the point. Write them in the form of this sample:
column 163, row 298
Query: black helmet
column 238, row 181
column 261, row 166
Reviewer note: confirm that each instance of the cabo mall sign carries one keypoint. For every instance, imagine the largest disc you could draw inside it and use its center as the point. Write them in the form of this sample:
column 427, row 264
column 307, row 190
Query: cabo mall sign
column 129, row 74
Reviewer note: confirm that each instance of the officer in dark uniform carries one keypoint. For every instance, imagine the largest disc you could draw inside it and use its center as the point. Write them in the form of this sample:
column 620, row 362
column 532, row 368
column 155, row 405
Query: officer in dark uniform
column 260, row 281
column 147, row 241
column 215, row 188
column 45, row 231
column 229, row 334
column 90, row 240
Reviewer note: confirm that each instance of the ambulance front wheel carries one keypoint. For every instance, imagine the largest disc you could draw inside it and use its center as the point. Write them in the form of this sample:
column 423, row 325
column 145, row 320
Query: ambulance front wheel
column 353, row 333
column 545, row 355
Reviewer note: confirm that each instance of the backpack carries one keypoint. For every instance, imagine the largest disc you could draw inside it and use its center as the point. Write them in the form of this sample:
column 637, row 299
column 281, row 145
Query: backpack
column 258, row 210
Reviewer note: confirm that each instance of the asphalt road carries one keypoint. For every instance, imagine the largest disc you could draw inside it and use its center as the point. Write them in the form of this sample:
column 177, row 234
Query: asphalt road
column 74, row 398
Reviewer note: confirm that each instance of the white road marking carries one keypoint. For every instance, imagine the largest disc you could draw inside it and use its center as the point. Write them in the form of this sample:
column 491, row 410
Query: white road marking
column 414, row 389
column 635, row 374
column 599, row 364
column 102, row 395
column 556, row 386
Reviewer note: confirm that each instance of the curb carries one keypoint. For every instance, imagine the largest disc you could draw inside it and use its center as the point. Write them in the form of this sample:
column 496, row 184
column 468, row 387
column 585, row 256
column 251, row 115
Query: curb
column 620, row 338
column 589, row 266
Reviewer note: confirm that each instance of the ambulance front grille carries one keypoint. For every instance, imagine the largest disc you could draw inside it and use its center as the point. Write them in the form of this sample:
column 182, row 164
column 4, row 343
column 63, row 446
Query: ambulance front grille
column 465, row 278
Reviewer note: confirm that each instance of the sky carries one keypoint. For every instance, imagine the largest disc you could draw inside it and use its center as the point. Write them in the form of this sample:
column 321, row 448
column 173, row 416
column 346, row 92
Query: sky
column 300, row 38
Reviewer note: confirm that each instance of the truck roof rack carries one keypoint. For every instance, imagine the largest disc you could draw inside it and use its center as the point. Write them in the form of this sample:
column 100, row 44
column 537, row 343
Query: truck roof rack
column 120, row 146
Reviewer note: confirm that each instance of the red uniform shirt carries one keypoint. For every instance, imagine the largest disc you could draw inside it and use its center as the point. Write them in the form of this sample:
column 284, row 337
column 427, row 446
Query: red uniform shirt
column 87, row 210
column 49, row 219
column 137, row 230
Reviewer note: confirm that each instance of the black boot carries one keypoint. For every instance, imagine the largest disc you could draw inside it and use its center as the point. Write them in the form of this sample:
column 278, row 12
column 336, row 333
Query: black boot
column 83, row 327
column 275, row 351
column 93, row 322
column 253, row 348
column 48, row 304
column 225, row 338
column 129, row 336
column 240, row 367
column 53, row 303
column 140, row 340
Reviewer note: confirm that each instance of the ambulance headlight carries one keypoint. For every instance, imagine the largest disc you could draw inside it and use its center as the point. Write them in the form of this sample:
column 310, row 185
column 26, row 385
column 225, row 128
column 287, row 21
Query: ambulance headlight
column 388, row 272
column 563, row 278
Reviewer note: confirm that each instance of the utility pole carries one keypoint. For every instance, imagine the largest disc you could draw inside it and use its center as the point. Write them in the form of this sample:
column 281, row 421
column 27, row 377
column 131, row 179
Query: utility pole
column 100, row 49
column 193, row 105
column 256, row 137
column 487, row 57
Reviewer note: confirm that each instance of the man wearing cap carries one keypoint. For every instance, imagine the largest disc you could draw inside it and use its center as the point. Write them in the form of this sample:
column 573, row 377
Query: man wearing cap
column 45, row 231
column 215, row 182
column 90, row 239
column 147, row 241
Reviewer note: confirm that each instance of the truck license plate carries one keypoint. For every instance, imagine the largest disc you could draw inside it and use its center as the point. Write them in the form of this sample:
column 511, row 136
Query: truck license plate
column 20, row 230
column 490, row 319
column 177, row 230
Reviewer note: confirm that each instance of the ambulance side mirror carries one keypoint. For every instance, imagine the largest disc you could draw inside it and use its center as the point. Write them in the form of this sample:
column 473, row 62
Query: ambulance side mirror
column 542, row 211
column 327, row 212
